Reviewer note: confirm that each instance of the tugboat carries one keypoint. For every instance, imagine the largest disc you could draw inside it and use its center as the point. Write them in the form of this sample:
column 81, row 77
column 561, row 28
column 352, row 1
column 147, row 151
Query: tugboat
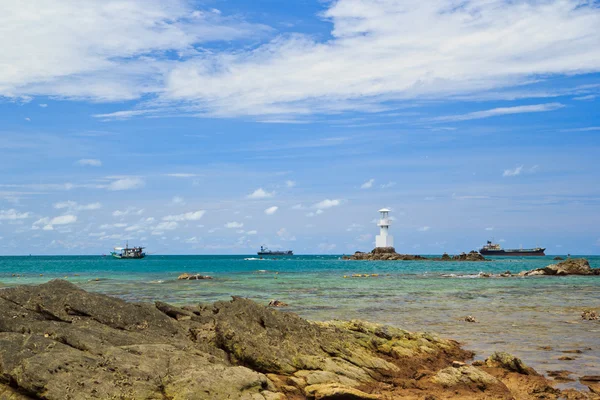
column 494, row 249
column 128, row 252
column 266, row 252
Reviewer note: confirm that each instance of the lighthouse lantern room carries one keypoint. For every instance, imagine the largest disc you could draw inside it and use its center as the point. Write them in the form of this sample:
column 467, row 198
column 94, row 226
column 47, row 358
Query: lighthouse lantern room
column 384, row 239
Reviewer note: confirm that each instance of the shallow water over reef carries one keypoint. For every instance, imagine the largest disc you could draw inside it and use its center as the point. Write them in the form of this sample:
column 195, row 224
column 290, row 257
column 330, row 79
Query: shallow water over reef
column 535, row 318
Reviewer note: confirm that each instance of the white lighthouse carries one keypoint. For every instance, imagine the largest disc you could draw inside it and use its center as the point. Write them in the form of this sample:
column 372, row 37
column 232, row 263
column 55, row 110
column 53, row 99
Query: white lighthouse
column 384, row 239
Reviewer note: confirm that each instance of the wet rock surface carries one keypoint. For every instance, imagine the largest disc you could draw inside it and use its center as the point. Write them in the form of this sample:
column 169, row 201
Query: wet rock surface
column 60, row 342
column 389, row 254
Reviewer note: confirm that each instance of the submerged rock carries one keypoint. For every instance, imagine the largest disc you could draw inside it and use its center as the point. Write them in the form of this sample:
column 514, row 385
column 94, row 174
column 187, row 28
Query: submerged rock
column 192, row 277
column 277, row 303
column 60, row 342
column 558, row 258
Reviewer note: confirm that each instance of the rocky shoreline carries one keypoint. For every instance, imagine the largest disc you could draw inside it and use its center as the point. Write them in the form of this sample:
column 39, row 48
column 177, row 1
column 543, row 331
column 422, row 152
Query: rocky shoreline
column 389, row 254
column 58, row 341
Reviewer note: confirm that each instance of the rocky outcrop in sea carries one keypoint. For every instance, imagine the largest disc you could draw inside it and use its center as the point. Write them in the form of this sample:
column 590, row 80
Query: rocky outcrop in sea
column 60, row 342
column 572, row 266
column 389, row 254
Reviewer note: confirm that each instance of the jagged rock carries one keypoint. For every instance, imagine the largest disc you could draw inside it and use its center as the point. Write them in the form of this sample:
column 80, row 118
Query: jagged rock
column 557, row 258
column 470, row 318
column 60, row 342
column 192, row 277
column 382, row 254
column 465, row 375
column 571, row 266
column 446, row 257
column 509, row 362
column 277, row 303
column 589, row 315
column 471, row 256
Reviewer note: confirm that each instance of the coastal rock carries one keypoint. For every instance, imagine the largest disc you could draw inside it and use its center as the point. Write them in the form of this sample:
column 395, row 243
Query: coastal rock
column 470, row 318
column 277, row 303
column 59, row 342
column 589, row 315
column 557, row 258
column 383, row 254
column 509, row 362
column 571, row 266
column 471, row 256
column 192, row 277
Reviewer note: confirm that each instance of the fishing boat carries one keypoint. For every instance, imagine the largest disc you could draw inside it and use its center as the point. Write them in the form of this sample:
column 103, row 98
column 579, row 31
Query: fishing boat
column 128, row 252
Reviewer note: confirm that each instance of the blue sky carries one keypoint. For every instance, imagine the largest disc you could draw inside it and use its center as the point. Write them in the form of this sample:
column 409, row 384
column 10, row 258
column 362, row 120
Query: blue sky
column 203, row 127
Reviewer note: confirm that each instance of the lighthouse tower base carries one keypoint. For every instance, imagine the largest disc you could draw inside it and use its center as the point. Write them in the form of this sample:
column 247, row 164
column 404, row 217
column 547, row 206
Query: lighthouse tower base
column 384, row 241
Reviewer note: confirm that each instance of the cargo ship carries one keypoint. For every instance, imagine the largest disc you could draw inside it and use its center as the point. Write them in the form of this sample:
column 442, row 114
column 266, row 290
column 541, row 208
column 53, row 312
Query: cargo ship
column 493, row 249
column 266, row 252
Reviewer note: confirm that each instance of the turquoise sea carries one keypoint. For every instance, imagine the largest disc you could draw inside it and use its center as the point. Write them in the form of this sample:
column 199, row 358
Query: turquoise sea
column 518, row 315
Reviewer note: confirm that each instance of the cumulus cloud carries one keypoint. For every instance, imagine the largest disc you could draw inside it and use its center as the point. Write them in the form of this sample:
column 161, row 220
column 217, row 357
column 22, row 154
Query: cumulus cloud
column 260, row 193
column 368, row 184
column 127, row 211
column 166, row 226
column 252, row 232
column 271, row 210
column 424, row 229
column 395, row 49
column 388, row 185
column 12, row 215
column 90, row 162
column 74, row 206
column 126, row 184
column 234, row 225
column 48, row 223
column 513, row 172
column 106, row 50
column 189, row 216
column 327, row 203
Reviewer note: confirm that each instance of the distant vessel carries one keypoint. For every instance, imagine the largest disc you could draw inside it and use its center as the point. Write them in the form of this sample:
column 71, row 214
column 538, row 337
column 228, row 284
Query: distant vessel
column 493, row 249
column 266, row 252
column 128, row 252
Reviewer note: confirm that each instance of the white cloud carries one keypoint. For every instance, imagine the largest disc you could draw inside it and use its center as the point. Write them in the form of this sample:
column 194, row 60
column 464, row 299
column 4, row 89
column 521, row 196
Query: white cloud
column 285, row 235
column 127, row 211
column 327, row 203
column 253, row 232
column 48, row 223
column 271, row 210
column 176, row 200
column 189, row 216
column 290, row 184
column 12, row 215
column 110, row 226
column 368, row 184
column 501, row 111
column 513, row 172
column 181, row 175
column 354, row 227
column 43, row 105
column 490, row 228
column 63, row 220
column 424, row 229
column 166, row 226
column 104, row 50
column 392, row 49
column 74, row 206
column 126, row 184
column 90, row 162
column 260, row 193
column 388, row 185
column 298, row 207
column 234, row 225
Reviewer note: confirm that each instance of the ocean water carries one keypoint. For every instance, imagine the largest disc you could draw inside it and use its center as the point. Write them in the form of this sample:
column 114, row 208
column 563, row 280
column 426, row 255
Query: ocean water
column 517, row 315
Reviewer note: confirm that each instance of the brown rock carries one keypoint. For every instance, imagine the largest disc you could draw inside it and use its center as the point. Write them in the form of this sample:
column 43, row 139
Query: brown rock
column 510, row 363
column 277, row 303
column 589, row 315
column 470, row 318
column 193, row 277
